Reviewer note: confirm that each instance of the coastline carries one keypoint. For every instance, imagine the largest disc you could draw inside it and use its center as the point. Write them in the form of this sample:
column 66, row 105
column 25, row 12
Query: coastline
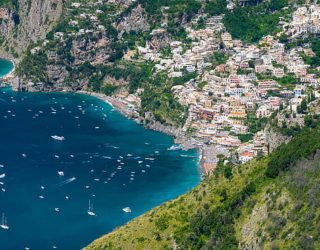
column 178, row 136
column 10, row 74
column 119, row 104
column 93, row 148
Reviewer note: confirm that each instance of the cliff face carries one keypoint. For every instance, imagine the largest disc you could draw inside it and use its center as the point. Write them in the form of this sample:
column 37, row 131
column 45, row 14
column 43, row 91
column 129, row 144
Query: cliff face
column 134, row 21
column 28, row 23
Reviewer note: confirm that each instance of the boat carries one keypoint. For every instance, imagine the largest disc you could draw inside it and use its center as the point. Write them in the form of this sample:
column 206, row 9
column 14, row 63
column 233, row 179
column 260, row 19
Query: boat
column 90, row 210
column 2, row 176
column 61, row 173
column 127, row 209
column 4, row 224
column 174, row 147
column 57, row 209
column 58, row 138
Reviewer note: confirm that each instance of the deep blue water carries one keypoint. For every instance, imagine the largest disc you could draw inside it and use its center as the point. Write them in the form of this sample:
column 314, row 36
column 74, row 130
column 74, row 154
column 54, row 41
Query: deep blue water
column 97, row 141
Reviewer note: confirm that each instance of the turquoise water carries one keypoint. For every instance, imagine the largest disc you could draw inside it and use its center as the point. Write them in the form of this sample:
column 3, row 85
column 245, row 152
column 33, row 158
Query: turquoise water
column 107, row 159
column 5, row 67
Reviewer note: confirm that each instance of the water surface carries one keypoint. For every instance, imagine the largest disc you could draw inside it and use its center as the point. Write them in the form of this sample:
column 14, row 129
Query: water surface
column 5, row 67
column 105, row 158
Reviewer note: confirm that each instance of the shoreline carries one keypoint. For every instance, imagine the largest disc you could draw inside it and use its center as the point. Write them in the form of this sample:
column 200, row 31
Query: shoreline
column 201, row 151
column 177, row 134
column 10, row 74
column 117, row 103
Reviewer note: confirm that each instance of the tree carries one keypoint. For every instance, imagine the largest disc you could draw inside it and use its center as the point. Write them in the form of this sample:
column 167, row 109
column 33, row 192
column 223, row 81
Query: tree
column 304, row 106
column 108, row 89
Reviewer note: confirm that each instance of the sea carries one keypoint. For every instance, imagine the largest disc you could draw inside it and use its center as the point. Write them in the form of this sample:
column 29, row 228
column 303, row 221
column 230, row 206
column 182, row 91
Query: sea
column 61, row 151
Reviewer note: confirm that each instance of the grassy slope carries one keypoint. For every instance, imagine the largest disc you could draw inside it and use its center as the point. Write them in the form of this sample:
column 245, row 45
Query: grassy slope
column 285, row 214
column 249, row 209
column 157, row 228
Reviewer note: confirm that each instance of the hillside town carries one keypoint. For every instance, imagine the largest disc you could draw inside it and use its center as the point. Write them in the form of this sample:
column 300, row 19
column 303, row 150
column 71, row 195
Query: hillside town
column 248, row 84
column 236, row 86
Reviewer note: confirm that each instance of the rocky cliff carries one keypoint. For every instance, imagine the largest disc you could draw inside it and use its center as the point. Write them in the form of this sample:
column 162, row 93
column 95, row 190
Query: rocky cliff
column 27, row 22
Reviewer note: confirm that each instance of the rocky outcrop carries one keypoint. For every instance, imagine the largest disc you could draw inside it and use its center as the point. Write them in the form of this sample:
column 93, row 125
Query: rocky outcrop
column 160, row 39
column 177, row 133
column 134, row 21
column 274, row 139
column 29, row 24
column 6, row 21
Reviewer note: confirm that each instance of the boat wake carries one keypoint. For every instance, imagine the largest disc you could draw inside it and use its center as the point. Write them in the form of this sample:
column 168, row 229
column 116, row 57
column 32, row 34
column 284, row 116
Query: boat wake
column 63, row 183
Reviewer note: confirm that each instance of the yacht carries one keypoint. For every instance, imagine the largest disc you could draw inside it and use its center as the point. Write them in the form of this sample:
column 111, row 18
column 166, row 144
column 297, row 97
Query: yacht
column 174, row 147
column 127, row 209
column 90, row 210
column 58, row 138
column 61, row 173
column 4, row 224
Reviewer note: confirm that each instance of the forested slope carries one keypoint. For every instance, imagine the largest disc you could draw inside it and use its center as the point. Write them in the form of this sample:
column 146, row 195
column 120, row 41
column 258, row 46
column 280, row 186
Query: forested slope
column 271, row 202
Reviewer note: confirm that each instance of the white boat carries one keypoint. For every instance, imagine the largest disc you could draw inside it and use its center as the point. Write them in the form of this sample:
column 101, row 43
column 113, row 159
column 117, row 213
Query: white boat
column 127, row 209
column 4, row 224
column 58, row 138
column 2, row 176
column 90, row 210
column 57, row 209
column 174, row 147
column 61, row 173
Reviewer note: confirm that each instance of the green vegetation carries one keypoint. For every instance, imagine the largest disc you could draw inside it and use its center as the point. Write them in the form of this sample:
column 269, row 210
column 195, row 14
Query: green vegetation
column 33, row 67
column 216, row 7
column 289, row 154
column 255, row 124
column 245, row 137
column 313, row 61
column 273, row 198
column 158, row 98
column 11, row 4
column 176, row 10
column 219, row 58
column 288, row 81
column 252, row 23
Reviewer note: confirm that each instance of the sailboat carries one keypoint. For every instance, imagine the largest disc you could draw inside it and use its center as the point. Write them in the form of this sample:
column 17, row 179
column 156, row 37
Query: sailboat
column 4, row 223
column 90, row 210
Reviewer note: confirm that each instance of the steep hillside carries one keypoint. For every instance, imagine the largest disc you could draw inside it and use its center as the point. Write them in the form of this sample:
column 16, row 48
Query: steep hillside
column 271, row 203
column 23, row 22
column 100, row 47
